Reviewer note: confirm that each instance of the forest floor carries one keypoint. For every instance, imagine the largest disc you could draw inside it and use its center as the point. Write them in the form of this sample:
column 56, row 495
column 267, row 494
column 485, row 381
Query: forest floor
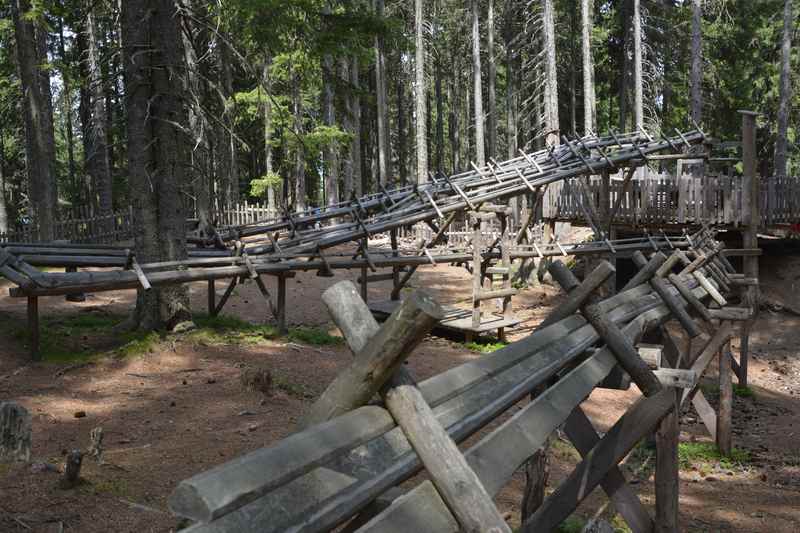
column 173, row 406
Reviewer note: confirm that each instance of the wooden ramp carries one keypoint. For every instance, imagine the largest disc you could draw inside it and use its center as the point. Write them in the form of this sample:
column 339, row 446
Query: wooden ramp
column 458, row 321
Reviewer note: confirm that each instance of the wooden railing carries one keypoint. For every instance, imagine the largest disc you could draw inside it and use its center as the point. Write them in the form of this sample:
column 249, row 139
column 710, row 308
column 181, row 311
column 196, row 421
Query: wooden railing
column 655, row 198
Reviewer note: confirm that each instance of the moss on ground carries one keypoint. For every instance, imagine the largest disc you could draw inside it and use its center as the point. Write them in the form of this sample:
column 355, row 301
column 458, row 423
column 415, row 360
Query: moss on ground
column 706, row 454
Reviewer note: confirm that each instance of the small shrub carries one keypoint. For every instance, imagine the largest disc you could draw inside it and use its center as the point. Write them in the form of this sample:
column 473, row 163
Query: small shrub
column 573, row 524
column 742, row 391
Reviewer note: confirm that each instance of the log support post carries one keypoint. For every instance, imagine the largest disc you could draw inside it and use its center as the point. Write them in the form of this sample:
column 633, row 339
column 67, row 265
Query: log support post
column 395, row 295
column 282, row 328
column 725, row 410
column 667, row 480
column 75, row 296
column 212, row 297
column 33, row 328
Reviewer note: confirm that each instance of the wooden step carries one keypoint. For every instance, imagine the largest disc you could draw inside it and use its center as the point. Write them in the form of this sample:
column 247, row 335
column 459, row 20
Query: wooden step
column 498, row 270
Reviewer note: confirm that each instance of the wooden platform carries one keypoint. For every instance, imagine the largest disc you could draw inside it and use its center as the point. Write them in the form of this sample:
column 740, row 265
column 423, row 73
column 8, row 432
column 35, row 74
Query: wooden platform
column 455, row 320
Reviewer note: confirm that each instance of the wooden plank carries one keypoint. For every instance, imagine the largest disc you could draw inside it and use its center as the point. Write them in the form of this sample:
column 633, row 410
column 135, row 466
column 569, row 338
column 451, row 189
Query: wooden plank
column 402, row 518
column 707, row 414
column 215, row 492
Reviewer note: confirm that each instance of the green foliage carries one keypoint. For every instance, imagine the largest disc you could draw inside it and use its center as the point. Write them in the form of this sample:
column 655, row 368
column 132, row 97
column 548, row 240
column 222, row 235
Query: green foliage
column 742, row 391
column 259, row 186
column 706, row 453
column 314, row 336
column 573, row 524
column 226, row 329
column 485, row 345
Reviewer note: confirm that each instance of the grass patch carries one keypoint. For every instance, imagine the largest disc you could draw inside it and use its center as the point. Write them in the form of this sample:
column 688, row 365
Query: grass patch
column 298, row 390
column 485, row 345
column 115, row 487
column 573, row 524
column 742, row 391
column 313, row 336
column 691, row 453
column 139, row 344
column 225, row 329
column 564, row 450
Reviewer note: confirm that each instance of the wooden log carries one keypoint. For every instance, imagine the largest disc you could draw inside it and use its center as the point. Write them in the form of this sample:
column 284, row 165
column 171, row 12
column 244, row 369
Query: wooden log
column 33, row 328
column 456, row 482
column 709, row 350
column 216, row 492
column 725, row 412
column 689, row 296
column 667, row 480
column 584, row 437
column 402, row 518
column 578, row 293
column 15, row 433
column 676, row 377
column 647, row 272
column 492, row 294
column 637, row 422
column 381, row 356
column 709, row 288
column 282, row 326
column 72, row 469
column 732, row 313
column 659, row 285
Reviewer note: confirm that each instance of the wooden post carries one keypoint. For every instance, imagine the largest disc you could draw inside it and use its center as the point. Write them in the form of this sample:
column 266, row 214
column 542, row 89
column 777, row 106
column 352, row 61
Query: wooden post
column 364, row 281
column 379, row 358
column 395, row 295
column 725, row 412
column 33, row 327
column 212, row 298
column 76, row 296
column 15, row 433
column 455, row 481
column 666, row 476
column 750, row 209
column 478, row 226
column 282, row 329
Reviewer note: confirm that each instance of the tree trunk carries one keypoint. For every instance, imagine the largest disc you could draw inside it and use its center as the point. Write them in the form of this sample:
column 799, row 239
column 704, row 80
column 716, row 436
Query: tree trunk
column 439, row 118
column 197, row 129
column 511, row 89
column 420, row 95
column 589, row 113
column 97, row 161
column 477, row 91
column 402, row 137
column 300, row 158
column 383, row 107
column 492, row 80
column 626, row 76
column 785, row 93
column 638, row 99
column 348, row 163
column 696, row 80
column 355, row 147
column 67, row 103
column 40, row 151
column 332, row 148
column 552, row 127
column 157, row 159
column 3, row 204
column 232, row 157
column 266, row 85
column 452, row 122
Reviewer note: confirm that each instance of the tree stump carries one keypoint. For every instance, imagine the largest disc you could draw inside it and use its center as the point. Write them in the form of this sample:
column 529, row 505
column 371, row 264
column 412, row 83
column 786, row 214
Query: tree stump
column 72, row 469
column 15, row 433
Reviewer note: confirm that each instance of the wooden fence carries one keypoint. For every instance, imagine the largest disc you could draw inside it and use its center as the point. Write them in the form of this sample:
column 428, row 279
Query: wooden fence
column 656, row 198
column 80, row 225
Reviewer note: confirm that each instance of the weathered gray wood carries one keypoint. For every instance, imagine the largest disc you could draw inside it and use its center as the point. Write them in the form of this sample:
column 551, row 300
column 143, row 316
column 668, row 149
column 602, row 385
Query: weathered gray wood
column 584, row 437
column 732, row 313
column 647, row 272
column 650, row 353
column 711, row 348
column 215, row 492
column 709, row 288
column 402, row 518
column 375, row 363
column 676, row 377
column 72, row 469
column 706, row 413
column 212, row 297
column 225, row 296
column 612, row 448
column 33, row 328
column 667, row 479
column 725, row 411
column 689, row 296
column 456, row 482
column 577, row 295
column 282, row 326
column 15, row 433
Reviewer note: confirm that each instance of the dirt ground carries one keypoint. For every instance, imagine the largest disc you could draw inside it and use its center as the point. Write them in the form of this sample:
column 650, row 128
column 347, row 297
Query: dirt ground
column 176, row 406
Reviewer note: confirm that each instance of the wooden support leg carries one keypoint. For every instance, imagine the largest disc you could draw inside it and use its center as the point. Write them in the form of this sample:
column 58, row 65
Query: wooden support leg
column 666, row 476
column 225, row 296
column 212, row 297
column 725, row 414
column 584, row 437
column 282, row 329
column 33, row 327
column 75, row 297
column 364, row 292
column 744, row 354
